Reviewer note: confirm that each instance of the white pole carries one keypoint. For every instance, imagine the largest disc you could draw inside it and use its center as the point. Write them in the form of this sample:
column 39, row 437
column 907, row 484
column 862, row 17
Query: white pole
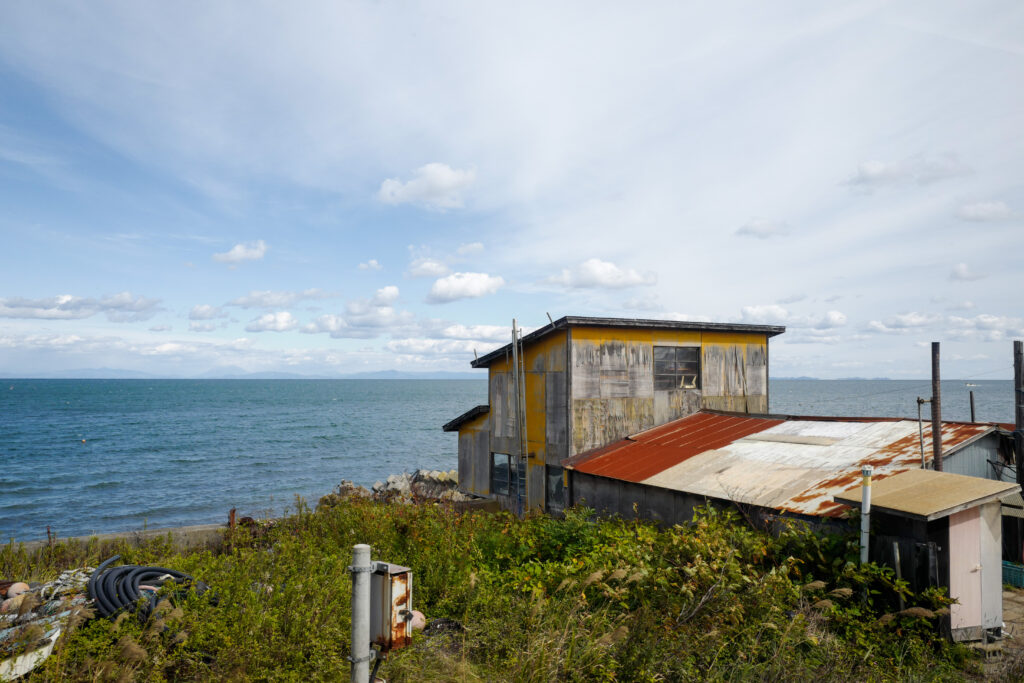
column 360, row 655
column 865, row 512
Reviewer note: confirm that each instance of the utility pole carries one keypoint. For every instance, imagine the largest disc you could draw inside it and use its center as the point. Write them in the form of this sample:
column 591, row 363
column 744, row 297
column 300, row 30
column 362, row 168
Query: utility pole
column 936, row 410
column 1018, row 403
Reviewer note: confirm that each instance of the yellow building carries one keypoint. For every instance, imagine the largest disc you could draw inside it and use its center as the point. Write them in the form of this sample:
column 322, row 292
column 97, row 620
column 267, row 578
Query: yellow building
column 587, row 382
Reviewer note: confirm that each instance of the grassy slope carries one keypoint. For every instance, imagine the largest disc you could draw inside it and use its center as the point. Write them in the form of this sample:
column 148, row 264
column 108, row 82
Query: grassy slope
column 541, row 599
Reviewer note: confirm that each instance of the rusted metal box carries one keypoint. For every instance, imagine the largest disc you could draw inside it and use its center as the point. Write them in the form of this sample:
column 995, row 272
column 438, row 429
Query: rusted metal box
column 390, row 605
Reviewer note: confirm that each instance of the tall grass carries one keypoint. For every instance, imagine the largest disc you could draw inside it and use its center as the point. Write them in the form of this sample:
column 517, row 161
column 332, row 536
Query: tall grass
column 537, row 599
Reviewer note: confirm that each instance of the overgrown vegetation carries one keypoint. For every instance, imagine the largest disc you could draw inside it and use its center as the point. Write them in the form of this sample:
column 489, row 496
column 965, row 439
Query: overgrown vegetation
column 539, row 599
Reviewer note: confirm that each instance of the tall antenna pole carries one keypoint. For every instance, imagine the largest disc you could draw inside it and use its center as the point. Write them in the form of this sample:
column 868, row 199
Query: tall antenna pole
column 936, row 410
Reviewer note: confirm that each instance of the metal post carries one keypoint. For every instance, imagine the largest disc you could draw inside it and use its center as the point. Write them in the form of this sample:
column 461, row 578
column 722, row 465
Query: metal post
column 920, row 429
column 1018, row 402
column 972, row 407
column 360, row 654
column 865, row 512
column 936, row 410
column 516, row 361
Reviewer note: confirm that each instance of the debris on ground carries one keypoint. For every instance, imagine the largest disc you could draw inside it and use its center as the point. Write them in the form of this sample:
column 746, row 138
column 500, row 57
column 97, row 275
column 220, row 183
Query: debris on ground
column 421, row 485
column 33, row 617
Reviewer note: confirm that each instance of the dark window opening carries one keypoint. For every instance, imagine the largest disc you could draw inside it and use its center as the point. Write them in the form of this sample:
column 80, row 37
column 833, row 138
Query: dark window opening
column 676, row 367
column 500, row 474
column 555, row 488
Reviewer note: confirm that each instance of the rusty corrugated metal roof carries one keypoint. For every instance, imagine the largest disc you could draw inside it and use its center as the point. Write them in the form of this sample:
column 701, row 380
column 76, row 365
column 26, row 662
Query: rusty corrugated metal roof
column 644, row 455
column 788, row 464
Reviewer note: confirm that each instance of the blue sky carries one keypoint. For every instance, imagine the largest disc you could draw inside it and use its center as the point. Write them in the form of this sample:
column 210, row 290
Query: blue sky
column 343, row 187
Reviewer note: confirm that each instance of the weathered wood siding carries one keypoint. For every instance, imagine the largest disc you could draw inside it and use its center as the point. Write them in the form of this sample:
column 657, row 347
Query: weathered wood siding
column 734, row 372
column 475, row 456
column 612, row 380
column 544, row 366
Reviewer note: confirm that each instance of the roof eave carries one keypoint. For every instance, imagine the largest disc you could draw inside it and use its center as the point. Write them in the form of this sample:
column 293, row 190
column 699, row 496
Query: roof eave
column 637, row 323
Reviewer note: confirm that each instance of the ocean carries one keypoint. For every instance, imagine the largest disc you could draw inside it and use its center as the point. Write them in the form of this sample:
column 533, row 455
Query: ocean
column 96, row 456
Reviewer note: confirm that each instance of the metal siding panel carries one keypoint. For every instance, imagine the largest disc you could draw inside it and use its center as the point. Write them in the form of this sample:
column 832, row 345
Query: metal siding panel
column 466, row 479
column 973, row 459
column 502, row 410
column 599, row 422
column 712, row 370
column 555, row 428
column 756, row 371
column 482, row 464
column 676, row 403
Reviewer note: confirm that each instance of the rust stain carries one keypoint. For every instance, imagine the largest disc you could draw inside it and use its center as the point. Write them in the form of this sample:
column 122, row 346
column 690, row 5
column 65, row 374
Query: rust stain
column 399, row 604
column 655, row 450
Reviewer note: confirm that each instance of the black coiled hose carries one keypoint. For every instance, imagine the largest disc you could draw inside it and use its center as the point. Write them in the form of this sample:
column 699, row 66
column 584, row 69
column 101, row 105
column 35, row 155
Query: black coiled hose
column 117, row 588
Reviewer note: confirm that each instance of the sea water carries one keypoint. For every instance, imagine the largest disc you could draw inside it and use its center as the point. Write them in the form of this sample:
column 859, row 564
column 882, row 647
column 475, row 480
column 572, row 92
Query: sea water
column 96, row 456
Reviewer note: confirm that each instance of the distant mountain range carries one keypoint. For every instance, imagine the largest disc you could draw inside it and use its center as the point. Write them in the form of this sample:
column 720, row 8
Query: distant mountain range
column 238, row 373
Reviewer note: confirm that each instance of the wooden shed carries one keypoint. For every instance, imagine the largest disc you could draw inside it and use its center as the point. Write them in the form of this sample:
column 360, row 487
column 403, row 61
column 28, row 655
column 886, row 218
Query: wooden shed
column 961, row 515
column 585, row 382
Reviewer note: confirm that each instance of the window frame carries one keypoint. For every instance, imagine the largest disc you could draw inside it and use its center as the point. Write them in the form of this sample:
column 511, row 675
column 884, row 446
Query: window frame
column 682, row 367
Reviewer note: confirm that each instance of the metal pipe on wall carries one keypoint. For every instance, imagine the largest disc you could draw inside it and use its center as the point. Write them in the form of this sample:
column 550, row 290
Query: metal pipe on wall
column 920, row 429
column 865, row 512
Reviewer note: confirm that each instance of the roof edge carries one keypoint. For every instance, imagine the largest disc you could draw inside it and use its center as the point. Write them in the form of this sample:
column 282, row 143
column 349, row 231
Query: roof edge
column 640, row 323
column 475, row 411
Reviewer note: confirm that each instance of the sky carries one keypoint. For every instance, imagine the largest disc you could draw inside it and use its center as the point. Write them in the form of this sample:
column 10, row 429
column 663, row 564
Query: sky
column 340, row 187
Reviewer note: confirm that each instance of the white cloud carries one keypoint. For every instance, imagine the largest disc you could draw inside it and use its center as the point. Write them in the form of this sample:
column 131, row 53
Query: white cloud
column 431, row 346
column 281, row 321
column 160, row 328
column 490, row 333
column 595, row 273
column 364, row 318
column 206, row 312
column 985, row 211
column 245, row 251
column 903, row 323
column 332, row 324
column 470, row 248
column 370, row 265
column 765, row 314
column 122, row 307
column 271, row 299
column 961, row 306
column 427, row 267
column 794, row 299
column 919, row 169
column 962, row 273
column 761, row 229
column 435, row 185
column 196, row 326
column 831, row 320
column 385, row 296
column 773, row 314
column 464, row 286
column 985, row 327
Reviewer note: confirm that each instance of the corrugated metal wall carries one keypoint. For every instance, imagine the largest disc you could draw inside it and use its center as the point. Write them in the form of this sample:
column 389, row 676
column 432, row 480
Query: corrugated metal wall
column 974, row 459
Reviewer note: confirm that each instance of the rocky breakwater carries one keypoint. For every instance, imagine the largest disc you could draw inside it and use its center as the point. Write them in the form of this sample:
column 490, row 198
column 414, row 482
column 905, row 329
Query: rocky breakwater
column 418, row 487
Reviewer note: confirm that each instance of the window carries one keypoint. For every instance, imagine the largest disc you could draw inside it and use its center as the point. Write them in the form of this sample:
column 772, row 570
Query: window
column 500, row 473
column 555, row 488
column 676, row 367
